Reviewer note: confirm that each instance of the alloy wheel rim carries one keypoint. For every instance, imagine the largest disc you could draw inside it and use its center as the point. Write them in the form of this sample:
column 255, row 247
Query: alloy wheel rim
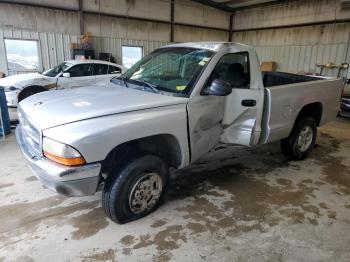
column 146, row 193
column 305, row 138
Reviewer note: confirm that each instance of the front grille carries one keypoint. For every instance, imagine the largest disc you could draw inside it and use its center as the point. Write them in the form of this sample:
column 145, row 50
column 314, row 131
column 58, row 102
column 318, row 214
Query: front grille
column 31, row 135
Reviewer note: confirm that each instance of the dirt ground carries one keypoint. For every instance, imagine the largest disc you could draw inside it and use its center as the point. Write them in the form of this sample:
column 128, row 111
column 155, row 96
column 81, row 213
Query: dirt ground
column 236, row 204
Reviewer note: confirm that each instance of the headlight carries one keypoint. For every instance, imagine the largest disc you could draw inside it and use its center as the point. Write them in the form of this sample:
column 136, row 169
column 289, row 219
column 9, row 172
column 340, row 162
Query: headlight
column 62, row 153
column 10, row 88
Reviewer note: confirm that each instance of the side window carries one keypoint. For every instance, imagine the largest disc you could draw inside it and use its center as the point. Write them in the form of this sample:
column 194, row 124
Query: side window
column 100, row 69
column 234, row 69
column 114, row 70
column 81, row 70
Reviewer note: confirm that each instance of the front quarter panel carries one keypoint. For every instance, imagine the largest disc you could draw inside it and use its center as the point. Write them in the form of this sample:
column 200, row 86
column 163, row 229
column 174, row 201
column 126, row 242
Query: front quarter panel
column 94, row 138
column 40, row 81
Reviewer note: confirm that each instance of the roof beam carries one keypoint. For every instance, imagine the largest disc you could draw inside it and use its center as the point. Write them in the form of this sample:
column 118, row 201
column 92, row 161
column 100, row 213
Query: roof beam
column 56, row 8
column 325, row 22
column 231, row 6
column 235, row 4
column 216, row 5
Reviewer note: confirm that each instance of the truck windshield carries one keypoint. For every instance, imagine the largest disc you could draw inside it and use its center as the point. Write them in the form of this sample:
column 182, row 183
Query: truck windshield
column 171, row 69
column 53, row 72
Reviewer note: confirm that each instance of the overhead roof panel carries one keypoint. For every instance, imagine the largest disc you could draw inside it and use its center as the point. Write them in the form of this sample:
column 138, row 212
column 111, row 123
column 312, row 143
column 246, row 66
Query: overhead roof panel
column 231, row 5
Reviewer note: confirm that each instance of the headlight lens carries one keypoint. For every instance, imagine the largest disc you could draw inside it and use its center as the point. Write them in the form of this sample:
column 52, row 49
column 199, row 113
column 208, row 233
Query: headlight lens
column 10, row 88
column 62, row 153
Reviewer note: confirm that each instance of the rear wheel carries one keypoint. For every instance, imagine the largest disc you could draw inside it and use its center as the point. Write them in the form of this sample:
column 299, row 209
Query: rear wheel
column 135, row 190
column 301, row 141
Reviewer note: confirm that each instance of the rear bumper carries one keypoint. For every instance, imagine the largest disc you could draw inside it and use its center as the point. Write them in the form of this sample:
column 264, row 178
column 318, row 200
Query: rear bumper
column 344, row 113
column 68, row 181
column 345, row 107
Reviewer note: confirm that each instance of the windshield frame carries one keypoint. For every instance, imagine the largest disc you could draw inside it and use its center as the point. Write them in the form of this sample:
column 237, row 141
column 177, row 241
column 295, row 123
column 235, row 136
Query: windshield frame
column 68, row 65
column 190, row 85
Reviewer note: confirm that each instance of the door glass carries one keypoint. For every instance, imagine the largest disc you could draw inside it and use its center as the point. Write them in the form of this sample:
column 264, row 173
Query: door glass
column 234, row 69
column 114, row 70
column 22, row 56
column 81, row 70
column 53, row 72
column 131, row 54
column 100, row 69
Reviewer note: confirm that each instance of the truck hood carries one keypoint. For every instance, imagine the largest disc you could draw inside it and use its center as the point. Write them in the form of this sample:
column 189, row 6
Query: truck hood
column 16, row 80
column 58, row 107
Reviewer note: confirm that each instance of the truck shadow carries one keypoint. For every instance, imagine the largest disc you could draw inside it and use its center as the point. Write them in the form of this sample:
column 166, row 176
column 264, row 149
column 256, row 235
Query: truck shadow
column 226, row 164
column 259, row 184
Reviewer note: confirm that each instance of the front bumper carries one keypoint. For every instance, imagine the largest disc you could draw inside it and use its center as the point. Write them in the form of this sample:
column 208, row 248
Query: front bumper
column 68, row 181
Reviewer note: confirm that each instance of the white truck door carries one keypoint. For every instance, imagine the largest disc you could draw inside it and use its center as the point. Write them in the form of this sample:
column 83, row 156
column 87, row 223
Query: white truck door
column 243, row 109
column 80, row 75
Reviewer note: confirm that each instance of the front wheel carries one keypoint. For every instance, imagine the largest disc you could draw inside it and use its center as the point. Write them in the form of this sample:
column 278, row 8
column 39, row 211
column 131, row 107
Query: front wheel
column 135, row 190
column 301, row 141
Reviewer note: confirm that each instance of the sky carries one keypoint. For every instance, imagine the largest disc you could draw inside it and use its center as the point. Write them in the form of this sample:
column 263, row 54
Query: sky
column 131, row 55
column 23, row 53
column 21, row 47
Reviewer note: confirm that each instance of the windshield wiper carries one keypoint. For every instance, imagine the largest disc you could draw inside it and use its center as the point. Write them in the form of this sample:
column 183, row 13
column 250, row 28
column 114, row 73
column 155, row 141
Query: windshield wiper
column 124, row 79
column 152, row 87
column 121, row 77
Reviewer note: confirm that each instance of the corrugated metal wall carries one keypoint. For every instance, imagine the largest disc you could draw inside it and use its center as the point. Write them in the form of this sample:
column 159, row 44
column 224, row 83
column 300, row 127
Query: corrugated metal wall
column 297, row 49
column 114, row 45
column 303, row 58
column 54, row 47
column 110, row 31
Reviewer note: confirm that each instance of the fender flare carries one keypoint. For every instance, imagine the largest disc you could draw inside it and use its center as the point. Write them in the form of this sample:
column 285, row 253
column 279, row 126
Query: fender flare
column 36, row 89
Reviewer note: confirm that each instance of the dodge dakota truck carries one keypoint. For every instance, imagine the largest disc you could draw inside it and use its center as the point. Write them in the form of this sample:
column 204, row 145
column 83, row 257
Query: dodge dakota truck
column 164, row 113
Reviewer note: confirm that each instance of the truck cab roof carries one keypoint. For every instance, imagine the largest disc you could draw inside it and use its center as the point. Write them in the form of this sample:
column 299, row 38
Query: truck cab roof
column 213, row 45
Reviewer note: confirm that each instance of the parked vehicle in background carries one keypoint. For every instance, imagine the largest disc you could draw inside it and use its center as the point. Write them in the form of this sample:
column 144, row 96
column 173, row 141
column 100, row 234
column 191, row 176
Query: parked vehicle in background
column 167, row 111
column 345, row 103
column 68, row 74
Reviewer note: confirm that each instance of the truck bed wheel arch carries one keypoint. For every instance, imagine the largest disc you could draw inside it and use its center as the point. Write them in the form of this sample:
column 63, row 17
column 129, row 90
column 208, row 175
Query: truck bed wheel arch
column 165, row 146
column 313, row 110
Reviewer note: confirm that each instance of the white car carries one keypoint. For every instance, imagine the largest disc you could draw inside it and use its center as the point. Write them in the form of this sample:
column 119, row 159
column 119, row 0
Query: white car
column 68, row 74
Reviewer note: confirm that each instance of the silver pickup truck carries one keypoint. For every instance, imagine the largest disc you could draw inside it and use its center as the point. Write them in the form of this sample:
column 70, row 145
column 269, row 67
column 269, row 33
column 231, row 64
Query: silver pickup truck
column 164, row 113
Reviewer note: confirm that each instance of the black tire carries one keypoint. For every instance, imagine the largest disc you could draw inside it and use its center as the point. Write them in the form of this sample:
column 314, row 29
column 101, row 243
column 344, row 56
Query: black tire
column 29, row 91
column 289, row 145
column 121, row 181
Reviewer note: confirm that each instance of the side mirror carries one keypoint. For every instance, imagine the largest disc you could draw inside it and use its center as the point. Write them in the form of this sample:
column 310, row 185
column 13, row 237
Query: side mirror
column 66, row 75
column 218, row 88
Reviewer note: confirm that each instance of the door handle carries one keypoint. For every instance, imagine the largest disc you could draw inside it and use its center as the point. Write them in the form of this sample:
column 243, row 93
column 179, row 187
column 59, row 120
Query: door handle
column 248, row 102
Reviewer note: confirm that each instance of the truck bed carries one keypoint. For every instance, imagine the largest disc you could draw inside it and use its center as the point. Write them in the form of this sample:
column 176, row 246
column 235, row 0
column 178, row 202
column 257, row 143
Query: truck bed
column 286, row 94
column 271, row 79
